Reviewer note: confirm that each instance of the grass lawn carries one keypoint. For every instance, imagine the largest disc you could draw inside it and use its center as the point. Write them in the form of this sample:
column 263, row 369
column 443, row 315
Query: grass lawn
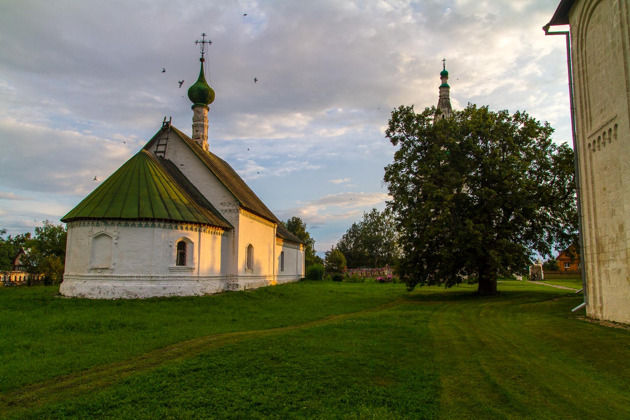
column 312, row 350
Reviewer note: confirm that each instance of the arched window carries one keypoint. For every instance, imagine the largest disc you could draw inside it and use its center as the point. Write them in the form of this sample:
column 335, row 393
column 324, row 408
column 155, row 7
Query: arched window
column 181, row 257
column 250, row 257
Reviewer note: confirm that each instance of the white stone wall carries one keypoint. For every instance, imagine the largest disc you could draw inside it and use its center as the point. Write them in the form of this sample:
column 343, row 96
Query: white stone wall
column 143, row 256
column 261, row 235
column 601, row 65
column 293, row 260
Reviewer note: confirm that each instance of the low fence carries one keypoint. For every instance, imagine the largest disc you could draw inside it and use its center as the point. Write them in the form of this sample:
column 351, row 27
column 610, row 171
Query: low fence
column 20, row 278
column 369, row 272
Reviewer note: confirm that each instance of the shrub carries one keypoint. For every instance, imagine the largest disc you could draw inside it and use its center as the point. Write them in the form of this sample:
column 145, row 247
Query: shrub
column 354, row 279
column 328, row 278
column 315, row 272
column 387, row 279
column 337, row 277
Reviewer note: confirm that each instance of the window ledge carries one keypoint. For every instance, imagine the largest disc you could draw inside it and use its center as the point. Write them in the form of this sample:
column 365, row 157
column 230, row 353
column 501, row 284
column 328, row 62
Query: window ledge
column 181, row 268
column 100, row 270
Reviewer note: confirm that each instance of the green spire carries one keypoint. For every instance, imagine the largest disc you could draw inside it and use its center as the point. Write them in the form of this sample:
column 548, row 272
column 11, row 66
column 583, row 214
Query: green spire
column 201, row 94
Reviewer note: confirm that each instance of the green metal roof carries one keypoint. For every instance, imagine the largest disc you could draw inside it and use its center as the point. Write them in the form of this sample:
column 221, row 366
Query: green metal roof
column 143, row 189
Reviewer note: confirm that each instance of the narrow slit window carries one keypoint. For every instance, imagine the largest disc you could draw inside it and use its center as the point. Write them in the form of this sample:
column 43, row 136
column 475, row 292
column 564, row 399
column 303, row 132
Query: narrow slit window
column 181, row 253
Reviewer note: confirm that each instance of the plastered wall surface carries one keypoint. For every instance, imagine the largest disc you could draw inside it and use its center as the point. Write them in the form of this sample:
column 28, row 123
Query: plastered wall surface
column 601, row 65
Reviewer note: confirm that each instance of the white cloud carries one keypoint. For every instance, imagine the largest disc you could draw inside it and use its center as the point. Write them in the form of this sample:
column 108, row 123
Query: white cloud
column 336, row 207
column 340, row 180
column 11, row 196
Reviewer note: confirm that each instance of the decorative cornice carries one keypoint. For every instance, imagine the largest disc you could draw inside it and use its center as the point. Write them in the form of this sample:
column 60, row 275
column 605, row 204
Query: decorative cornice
column 151, row 224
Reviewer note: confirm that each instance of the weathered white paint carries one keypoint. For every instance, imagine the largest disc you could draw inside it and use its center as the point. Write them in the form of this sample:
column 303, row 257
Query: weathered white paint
column 200, row 126
column 143, row 260
column 600, row 36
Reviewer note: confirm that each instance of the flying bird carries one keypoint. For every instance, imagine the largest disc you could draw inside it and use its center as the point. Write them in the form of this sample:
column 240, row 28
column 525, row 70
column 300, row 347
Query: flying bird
column 244, row 14
column 95, row 179
column 181, row 82
column 255, row 80
column 163, row 70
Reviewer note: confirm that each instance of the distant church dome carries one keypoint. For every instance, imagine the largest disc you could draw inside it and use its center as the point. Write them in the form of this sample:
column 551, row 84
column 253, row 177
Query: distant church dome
column 444, row 102
column 201, row 94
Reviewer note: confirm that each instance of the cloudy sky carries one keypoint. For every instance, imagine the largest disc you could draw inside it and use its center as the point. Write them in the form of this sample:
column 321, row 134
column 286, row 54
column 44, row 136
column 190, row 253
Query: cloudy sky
column 82, row 90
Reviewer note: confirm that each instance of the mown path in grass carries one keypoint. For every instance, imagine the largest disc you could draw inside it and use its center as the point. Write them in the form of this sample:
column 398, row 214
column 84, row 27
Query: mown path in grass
column 433, row 353
column 529, row 359
column 71, row 386
column 557, row 286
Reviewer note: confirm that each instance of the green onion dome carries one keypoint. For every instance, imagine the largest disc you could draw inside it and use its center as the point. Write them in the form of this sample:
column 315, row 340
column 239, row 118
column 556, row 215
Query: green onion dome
column 444, row 73
column 201, row 94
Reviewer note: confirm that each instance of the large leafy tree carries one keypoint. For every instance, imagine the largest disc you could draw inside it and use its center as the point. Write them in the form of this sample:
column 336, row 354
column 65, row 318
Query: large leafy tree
column 371, row 242
column 296, row 226
column 476, row 194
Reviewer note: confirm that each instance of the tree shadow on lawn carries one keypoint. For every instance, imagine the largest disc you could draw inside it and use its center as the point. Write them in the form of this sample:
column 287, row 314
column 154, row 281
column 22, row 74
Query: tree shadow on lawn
column 468, row 293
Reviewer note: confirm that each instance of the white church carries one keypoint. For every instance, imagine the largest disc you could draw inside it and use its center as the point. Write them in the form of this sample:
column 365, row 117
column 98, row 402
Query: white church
column 176, row 220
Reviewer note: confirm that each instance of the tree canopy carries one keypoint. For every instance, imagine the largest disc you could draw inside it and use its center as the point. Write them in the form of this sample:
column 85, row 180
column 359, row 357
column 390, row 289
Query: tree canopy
column 47, row 252
column 296, row 226
column 473, row 196
column 371, row 242
column 335, row 261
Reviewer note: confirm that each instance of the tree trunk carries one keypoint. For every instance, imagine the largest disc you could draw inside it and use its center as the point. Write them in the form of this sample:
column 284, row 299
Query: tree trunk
column 487, row 282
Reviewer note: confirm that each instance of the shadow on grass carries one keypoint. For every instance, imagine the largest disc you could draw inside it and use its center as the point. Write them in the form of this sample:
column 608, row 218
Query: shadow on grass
column 467, row 293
